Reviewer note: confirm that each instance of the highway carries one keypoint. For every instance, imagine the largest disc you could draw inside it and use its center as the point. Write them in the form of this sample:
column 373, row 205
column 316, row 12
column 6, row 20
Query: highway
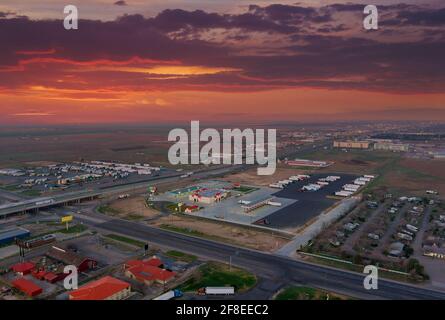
column 63, row 198
column 275, row 267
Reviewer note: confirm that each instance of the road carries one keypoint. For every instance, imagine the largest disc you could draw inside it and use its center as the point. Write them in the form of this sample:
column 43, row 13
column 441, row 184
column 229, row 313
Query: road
column 63, row 198
column 269, row 266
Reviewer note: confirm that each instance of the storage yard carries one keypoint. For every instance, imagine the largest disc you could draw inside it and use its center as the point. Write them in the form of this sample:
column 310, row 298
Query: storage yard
column 286, row 205
column 31, row 182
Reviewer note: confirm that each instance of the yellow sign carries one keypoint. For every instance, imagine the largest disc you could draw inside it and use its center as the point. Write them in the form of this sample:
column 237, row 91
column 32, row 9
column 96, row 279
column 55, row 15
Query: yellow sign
column 67, row 219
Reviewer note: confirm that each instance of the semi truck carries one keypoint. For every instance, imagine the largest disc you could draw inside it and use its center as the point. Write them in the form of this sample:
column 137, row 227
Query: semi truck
column 170, row 295
column 216, row 291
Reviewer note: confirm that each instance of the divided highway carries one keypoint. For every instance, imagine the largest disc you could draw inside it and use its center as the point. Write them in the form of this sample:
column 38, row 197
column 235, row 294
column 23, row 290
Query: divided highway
column 275, row 267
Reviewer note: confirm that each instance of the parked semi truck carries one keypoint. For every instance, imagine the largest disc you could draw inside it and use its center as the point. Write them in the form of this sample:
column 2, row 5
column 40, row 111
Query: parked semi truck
column 216, row 291
column 169, row 295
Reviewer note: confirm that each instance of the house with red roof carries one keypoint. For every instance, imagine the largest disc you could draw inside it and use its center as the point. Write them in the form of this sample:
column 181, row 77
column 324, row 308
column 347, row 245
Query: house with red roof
column 106, row 288
column 148, row 271
column 26, row 286
column 23, row 268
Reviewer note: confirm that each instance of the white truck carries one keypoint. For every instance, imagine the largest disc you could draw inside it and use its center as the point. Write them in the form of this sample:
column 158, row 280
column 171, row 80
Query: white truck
column 219, row 290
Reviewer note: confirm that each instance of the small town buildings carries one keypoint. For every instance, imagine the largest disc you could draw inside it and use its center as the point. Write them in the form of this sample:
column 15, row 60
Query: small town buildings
column 106, row 288
column 148, row 271
column 69, row 257
column 389, row 146
column 351, row 144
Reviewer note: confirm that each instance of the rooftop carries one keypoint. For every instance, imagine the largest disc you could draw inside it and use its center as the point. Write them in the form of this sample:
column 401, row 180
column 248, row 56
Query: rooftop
column 100, row 289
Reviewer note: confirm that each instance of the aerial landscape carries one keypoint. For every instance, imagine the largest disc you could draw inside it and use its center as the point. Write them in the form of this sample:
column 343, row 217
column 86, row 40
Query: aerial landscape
column 222, row 150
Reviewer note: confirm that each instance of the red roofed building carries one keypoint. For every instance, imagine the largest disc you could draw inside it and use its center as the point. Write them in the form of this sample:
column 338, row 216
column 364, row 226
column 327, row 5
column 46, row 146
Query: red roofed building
column 106, row 288
column 28, row 287
column 23, row 268
column 148, row 271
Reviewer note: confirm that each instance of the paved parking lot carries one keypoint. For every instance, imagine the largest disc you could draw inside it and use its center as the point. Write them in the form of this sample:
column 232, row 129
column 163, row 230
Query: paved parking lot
column 307, row 205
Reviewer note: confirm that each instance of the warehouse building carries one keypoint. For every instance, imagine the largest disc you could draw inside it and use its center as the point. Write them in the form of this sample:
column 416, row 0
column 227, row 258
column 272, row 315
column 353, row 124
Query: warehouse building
column 352, row 144
column 106, row 288
column 388, row 146
column 209, row 195
column 69, row 257
column 28, row 287
column 148, row 271
column 9, row 236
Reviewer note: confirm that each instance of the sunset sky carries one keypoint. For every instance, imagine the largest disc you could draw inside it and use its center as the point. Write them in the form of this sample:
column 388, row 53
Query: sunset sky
column 215, row 60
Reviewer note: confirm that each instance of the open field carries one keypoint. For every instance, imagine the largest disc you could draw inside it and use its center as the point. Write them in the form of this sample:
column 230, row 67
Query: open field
column 131, row 207
column 36, row 146
column 220, row 275
column 237, row 235
column 395, row 173
column 250, row 176
column 307, row 293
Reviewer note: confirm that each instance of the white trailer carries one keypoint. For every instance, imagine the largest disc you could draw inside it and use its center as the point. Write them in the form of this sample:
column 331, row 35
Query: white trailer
column 274, row 204
column 369, row 176
column 404, row 236
column 412, row 228
column 276, row 185
column 220, row 290
column 343, row 193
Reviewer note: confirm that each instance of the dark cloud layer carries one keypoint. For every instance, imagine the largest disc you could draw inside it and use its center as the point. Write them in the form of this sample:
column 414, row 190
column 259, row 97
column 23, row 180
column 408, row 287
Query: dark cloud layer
column 269, row 47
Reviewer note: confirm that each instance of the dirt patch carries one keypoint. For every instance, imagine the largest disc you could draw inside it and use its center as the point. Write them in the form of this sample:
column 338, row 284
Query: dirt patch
column 40, row 163
column 133, row 206
column 416, row 176
column 250, row 177
column 232, row 234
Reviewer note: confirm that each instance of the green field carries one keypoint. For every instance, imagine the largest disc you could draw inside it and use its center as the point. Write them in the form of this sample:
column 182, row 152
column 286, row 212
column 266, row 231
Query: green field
column 105, row 209
column 305, row 293
column 220, row 275
column 181, row 256
column 130, row 241
column 245, row 189
column 78, row 228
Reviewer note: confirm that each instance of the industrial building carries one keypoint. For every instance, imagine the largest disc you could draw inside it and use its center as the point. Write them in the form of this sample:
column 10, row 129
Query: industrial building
column 209, row 195
column 69, row 257
column 389, row 146
column 308, row 163
column 28, row 287
column 11, row 235
column 148, row 271
column 106, row 288
column 23, row 268
column 352, row 144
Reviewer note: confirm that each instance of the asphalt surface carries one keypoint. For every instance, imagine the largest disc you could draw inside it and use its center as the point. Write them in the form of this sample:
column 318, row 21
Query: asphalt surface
column 277, row 268
column 310, row 203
